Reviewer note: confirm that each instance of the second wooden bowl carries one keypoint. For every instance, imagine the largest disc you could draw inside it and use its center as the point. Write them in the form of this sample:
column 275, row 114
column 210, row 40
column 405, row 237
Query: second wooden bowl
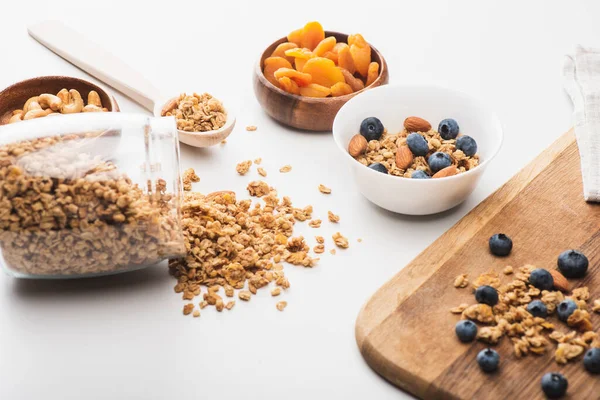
column 14, row 97
column 308, row 113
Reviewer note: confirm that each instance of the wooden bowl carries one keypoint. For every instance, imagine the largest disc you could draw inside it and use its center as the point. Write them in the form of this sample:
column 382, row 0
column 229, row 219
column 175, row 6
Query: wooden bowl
column 14, row 97
column 308, row 113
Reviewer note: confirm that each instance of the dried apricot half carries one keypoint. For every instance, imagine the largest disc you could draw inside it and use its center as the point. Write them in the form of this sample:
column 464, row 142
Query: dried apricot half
column 302, row 79
column 340, row 89
column 324, row 46
column 289, row 85
column 296, row 36
column 282, row 48
column 315, row 90
column 362, row 57
column 323, row 71
column 312, row 34
column 345, row 59
column 272, row 64
column 372, row 73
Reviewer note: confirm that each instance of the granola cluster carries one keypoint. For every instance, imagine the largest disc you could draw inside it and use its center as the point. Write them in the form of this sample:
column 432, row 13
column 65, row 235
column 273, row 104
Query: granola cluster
column 196, row 113
column 234, row 245
column 529, row 334
column 384, row 151
column 65, row 212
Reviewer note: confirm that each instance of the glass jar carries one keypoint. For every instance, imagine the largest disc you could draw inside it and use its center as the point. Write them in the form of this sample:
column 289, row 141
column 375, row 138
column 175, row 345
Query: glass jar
column 89, row 194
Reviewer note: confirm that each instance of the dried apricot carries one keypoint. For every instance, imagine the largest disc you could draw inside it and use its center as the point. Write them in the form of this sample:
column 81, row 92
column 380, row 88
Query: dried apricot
column 356, row 39
column 362, row 57
column 345, row 59
column 332, row 56
column 312, row 34
column 282, row 48
column 299, row 53
column 302, row 79
column 289, row 85
column 372, row 73
column 323, row 71
column 355, row 83
column 338, row 46
column 295, row 36
column 340, row 89
column 324, row 46
column 272, row 64
column 299, row 63
column 315, row 90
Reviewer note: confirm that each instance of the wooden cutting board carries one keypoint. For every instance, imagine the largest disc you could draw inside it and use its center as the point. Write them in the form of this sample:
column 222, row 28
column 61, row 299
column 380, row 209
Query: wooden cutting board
column 405, row 331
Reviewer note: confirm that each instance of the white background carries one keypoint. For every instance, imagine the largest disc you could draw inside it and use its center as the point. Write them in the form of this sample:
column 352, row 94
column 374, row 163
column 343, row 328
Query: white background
column 124, row 337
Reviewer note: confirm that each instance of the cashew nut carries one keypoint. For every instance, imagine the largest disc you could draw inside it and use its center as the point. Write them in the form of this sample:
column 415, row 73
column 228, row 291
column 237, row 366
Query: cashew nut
column 50, row 101
column 94, row 99
column 92, row 108
column 15, row 117
column 75, row 104
column 15, row 112
column 36, row 114
column 64, row 96
column 28, row 103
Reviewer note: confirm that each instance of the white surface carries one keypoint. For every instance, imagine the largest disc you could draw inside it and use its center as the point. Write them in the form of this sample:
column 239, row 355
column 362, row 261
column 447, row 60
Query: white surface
column 124, row 337
column 392, row 104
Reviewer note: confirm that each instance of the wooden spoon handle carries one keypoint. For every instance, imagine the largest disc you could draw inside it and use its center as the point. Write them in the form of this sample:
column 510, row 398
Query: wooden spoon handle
column 92, row 58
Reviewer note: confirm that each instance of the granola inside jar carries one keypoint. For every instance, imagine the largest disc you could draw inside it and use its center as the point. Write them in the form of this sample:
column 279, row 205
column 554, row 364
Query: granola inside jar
column 84, row 195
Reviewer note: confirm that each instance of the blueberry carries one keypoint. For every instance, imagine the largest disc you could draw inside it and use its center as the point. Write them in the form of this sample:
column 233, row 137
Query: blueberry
column 466, row 330
column 537, row 308
column 573, row 264
column 371, row 128
column 554, row 385
column 448, row 129
column 467, row 144
column 541, row 279
column 500, row 245
column 565, row 309
column 487, row 295
column 438, row 161
column 488, row 360
column 418, row 174
column 417, row 144
column 379, row 167
column 591, row 360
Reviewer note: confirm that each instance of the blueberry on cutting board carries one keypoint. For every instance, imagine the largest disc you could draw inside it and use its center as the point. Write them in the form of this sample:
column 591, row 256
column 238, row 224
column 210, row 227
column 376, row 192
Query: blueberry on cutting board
column 500, row 245
column 466, row 330
column 541, row 279
column 554, row 385
column 488, row 360
column 573, row 264
column 486, row 295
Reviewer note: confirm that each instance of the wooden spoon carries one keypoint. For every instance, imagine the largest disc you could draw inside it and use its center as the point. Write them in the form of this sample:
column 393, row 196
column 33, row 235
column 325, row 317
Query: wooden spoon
column 73, row 47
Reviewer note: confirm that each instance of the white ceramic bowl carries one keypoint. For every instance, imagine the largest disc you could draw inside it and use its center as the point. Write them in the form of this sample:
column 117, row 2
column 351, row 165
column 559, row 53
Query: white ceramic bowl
column 392, row 104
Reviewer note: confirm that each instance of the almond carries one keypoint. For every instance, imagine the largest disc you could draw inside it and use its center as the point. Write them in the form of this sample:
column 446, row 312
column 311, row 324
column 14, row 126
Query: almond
column 560, row 282
column 357, row 146
column 416, row 124
column 404, row 157
column 448, row 171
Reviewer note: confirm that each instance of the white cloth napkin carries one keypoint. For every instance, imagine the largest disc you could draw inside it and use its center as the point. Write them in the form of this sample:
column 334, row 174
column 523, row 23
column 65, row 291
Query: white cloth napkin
column 582, row 82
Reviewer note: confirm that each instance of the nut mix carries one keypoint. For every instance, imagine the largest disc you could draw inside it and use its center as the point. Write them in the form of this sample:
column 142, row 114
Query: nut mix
column 65, row 212
column 65, row 102
column 312, row 65
column 418, row 152
column 196, row 113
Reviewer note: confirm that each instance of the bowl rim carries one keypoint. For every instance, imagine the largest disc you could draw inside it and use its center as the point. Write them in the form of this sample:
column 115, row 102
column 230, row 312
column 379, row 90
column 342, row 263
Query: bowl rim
column 95, row 86
column 482, row 105
column 261, row 77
